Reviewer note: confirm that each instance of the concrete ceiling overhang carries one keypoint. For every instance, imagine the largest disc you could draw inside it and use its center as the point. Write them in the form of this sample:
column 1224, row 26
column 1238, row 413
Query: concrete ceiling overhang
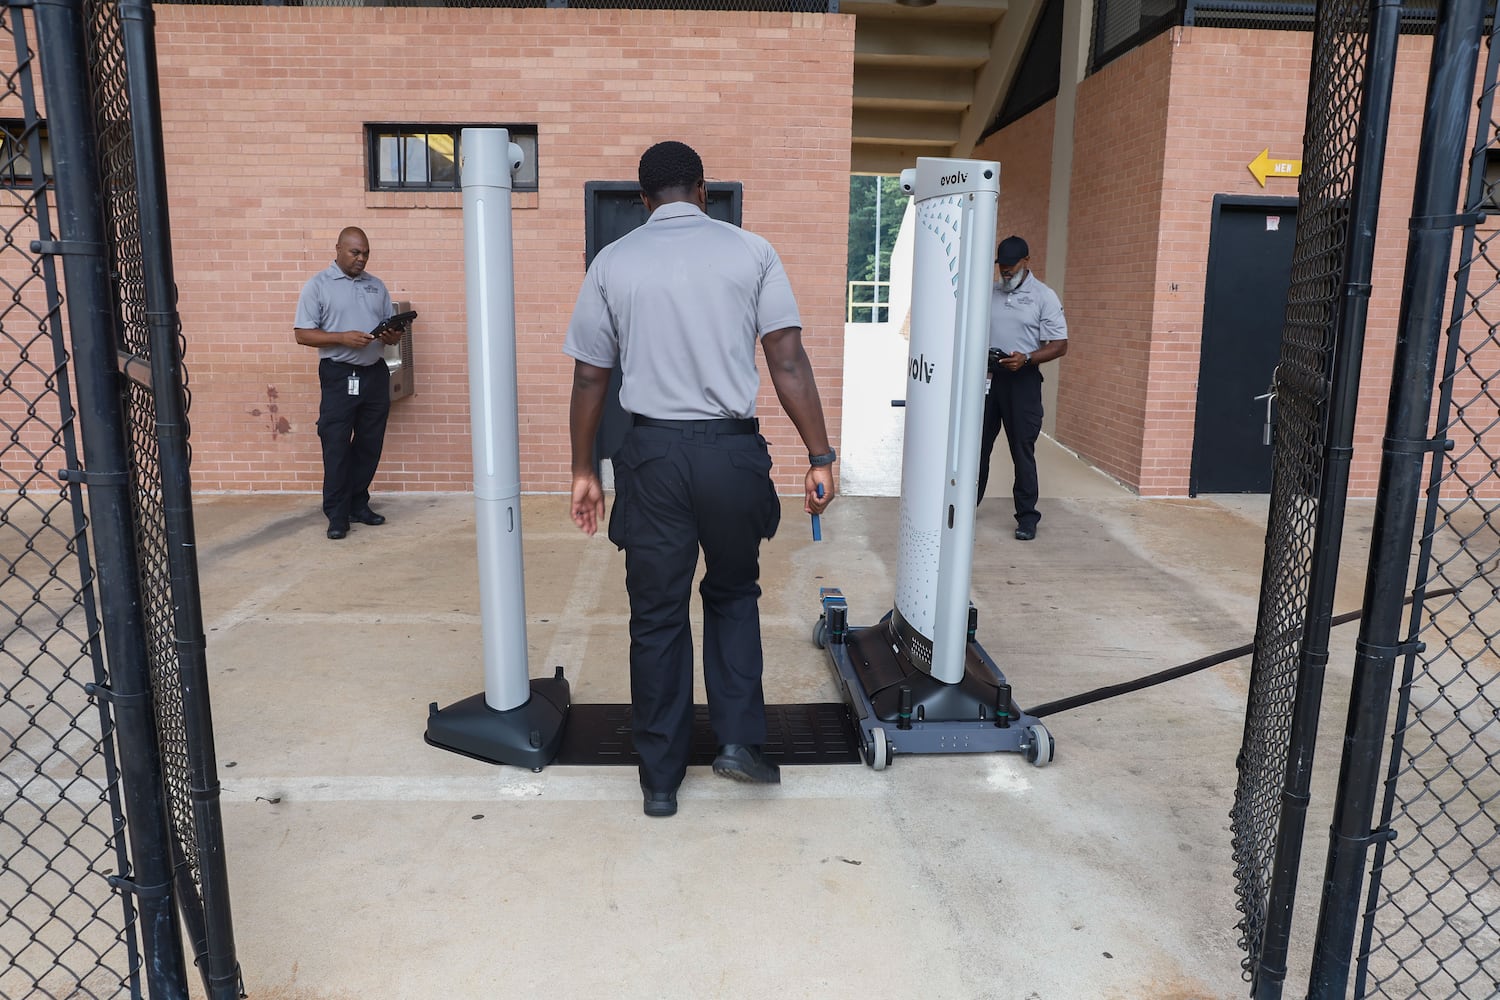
column 929, row 80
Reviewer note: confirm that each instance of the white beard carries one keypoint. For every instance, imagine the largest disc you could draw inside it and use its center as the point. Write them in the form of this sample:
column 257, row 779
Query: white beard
column 1014, row 281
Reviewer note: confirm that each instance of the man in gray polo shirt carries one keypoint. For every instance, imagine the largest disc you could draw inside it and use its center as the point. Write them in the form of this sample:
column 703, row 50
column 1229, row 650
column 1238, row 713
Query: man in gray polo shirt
column 680, row 305
column 336, row 311
column 1026, row 329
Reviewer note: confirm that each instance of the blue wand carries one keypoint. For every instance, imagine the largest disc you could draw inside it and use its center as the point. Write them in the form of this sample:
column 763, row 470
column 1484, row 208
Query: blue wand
column 817, row 522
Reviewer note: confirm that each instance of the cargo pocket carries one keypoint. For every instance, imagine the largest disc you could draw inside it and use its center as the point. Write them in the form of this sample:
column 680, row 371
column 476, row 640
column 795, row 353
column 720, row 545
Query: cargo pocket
column 627, row 462
column 757, row 461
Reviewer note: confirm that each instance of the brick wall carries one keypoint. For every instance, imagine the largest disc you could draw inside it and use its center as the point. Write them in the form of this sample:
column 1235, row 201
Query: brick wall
column 1159, row 133
column 1024, row 151
column 1120, row 136
column 264, row 109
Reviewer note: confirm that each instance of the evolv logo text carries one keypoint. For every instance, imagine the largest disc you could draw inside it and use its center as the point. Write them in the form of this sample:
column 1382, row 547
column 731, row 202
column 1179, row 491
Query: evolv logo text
column 921, row 371
column 957, row 178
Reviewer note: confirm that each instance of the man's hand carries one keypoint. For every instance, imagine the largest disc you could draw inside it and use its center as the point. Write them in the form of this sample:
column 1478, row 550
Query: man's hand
column 355, row 338
column 1013, row 362
column 588, row 503
column 817, row 475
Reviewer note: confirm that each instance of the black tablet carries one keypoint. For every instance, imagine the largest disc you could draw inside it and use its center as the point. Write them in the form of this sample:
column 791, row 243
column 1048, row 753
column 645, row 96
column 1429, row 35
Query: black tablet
column 394, row 322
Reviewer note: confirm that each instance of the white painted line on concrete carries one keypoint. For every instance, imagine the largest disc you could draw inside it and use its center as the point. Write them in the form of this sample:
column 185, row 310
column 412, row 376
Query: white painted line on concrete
column 615, row 784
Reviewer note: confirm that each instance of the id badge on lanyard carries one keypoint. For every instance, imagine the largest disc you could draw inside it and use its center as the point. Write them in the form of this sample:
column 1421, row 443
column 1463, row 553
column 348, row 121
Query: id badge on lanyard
column 353, row 385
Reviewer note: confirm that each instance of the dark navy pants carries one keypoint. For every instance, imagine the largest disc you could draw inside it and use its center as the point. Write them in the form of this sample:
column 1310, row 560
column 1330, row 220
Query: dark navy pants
column 677, row 491
column 352, row 429
column 1014, row 404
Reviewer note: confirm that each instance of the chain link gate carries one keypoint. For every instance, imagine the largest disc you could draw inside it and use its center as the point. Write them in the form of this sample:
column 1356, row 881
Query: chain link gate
column 1433, row 898
column 65, row 931
column 1315, row 387
column 109, row 747
column 1433, row 909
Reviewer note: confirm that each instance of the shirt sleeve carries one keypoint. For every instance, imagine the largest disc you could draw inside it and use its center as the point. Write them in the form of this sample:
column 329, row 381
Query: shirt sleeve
column 776, row 307
column 309, row 307
column 592, row 337
column 1053, row 325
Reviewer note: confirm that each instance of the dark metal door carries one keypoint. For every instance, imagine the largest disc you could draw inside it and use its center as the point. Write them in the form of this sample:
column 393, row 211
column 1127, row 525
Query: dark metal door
column 612, row 209
column 1249, row 273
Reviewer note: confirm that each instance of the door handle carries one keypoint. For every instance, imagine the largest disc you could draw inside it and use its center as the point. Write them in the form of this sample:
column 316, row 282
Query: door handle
column 1270, row 398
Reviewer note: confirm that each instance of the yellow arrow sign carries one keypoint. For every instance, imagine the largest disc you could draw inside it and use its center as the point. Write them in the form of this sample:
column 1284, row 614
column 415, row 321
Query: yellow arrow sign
column 1263, row 166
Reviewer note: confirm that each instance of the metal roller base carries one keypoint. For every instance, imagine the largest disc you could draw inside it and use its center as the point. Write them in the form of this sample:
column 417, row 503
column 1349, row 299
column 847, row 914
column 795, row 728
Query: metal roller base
column 899, row 708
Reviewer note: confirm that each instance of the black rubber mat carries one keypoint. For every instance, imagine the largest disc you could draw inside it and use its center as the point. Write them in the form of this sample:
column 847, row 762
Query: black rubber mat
column 796, row 734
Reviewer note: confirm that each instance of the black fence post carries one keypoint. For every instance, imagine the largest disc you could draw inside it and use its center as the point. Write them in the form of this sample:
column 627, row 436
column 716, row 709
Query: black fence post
column 93, row 323
column 215, row 949
column 1407, row 448
column 1364, row 213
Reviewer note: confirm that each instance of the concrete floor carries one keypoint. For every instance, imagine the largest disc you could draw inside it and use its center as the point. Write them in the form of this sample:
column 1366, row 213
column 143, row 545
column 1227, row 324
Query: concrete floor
column 364, row 863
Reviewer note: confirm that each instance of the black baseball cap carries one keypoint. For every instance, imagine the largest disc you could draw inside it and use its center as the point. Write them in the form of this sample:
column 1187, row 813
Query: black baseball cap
column 1011, row 250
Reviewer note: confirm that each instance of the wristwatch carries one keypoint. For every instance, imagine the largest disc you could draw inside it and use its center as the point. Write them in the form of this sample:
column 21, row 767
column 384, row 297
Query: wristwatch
column 1027, row 361
column 827, row 458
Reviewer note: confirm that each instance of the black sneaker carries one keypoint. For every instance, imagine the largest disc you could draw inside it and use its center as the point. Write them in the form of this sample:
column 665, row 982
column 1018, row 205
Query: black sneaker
column 1025, row 534
column 745, row 762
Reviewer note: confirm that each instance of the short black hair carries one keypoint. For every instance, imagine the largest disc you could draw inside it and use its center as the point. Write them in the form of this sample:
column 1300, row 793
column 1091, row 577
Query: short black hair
column 669, row 165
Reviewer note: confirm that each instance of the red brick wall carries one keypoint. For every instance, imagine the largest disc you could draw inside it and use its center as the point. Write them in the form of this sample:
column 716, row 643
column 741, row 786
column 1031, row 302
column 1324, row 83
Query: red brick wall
column 1159, row 132
column 1024, row 150
column 1120, row 137
column 264, row 110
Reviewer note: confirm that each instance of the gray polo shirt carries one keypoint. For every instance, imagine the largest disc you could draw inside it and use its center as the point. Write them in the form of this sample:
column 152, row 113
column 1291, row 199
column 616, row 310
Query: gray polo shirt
column 335, row 302
column 681, row 303
column 1026, row 318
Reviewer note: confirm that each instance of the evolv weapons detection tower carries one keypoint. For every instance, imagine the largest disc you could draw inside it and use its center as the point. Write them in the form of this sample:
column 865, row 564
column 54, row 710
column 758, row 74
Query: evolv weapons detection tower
column 918, row 681
column 514, row 721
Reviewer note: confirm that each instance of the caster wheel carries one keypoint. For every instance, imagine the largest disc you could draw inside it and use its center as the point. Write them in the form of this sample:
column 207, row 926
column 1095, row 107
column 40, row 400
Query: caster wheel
column 878, row 753
column 1039, row 746
column 820, row 633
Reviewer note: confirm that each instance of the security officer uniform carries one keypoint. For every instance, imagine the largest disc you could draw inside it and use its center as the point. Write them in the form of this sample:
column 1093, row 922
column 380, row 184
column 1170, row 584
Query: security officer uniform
column 356, row 391
column 1020, row 320
column 680, row 305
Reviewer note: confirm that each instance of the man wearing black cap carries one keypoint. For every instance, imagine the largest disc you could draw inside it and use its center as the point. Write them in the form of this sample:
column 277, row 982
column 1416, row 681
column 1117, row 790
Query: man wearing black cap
column 1026, row 329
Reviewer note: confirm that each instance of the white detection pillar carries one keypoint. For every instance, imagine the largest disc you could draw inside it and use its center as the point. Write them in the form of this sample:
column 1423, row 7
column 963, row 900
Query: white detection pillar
column 953, row 255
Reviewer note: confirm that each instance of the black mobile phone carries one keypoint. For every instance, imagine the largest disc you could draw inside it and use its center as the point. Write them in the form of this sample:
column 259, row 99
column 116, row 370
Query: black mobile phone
column 394, row 322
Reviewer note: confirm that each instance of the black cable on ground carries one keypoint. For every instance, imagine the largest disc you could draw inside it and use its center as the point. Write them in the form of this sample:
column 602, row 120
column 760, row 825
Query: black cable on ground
column 1182, row 670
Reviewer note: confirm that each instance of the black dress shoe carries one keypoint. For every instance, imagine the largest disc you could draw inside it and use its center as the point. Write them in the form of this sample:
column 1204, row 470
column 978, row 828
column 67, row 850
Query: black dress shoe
column 337, row 529
column 1025, row 534
column 659, row 803
column 745, row 762
column 368, row 516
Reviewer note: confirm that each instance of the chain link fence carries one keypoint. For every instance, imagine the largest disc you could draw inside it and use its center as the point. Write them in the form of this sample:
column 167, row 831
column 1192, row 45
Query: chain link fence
column 66, row 932
column 1433, row 910
column 1303, row 387
column 109, row 748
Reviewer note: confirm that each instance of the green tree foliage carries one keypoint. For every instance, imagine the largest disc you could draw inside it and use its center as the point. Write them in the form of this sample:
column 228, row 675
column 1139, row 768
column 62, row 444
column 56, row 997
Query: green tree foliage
column 863, row 238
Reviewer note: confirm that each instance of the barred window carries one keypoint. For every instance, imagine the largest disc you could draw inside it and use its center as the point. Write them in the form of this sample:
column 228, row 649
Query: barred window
column 16, row 169
column 426, row 157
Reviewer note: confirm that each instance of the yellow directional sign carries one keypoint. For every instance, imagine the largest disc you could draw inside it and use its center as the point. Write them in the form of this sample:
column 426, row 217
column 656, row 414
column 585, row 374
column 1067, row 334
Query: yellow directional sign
column 1263, row 166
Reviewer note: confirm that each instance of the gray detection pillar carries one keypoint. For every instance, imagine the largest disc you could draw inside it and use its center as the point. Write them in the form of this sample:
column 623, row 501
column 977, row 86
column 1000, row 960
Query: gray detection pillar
column 919, row 681
column 516, row 720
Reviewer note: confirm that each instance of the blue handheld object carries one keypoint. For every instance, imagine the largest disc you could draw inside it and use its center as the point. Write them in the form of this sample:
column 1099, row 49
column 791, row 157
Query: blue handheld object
column 817, row 523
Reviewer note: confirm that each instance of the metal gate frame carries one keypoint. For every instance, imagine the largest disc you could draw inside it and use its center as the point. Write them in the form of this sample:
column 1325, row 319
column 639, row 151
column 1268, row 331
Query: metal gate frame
column 99, row 81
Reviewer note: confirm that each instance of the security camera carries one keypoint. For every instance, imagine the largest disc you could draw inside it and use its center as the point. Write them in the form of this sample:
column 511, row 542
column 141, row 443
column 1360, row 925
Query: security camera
column 516, row 157
column 909, row 180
